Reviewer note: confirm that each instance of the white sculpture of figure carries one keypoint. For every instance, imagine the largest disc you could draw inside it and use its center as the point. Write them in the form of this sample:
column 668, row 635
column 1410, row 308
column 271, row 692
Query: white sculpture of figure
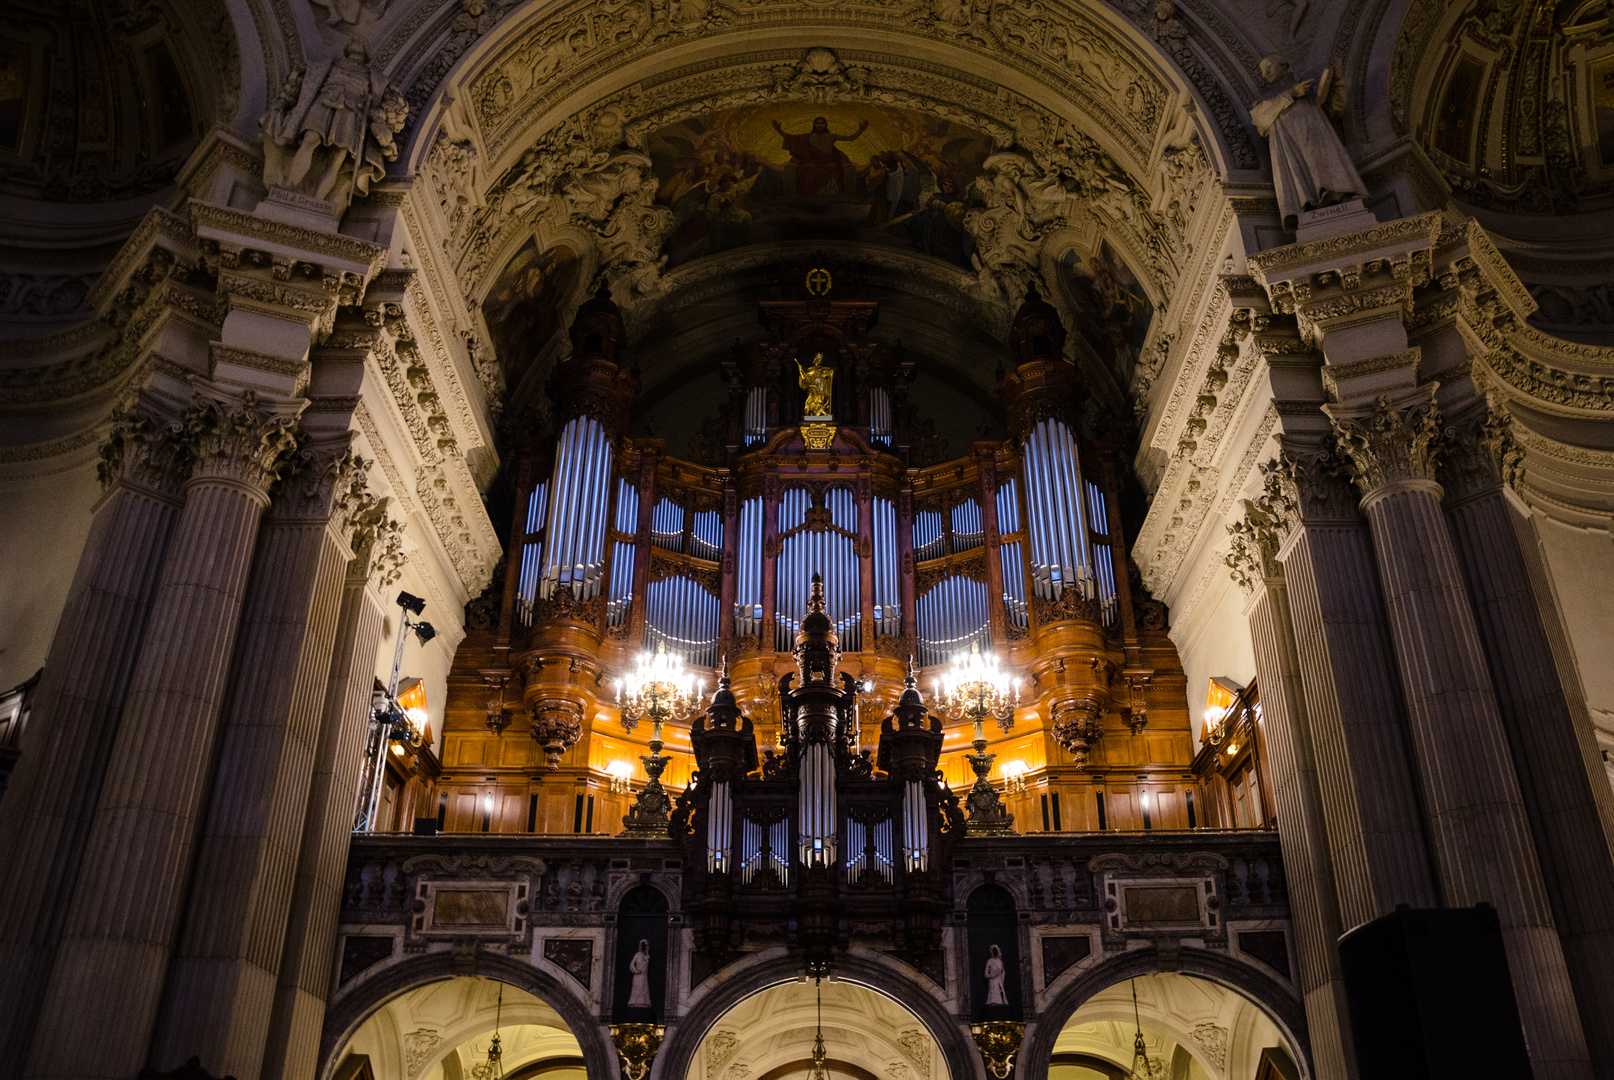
column 994, row 978
column 639, row 994
column 1310, row 168
column 329, row 134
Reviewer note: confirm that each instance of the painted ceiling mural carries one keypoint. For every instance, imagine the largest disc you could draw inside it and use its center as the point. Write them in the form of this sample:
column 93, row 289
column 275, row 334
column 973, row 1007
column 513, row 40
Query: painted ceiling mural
column 1113, row 313
column 523, row 307
column 801, row 171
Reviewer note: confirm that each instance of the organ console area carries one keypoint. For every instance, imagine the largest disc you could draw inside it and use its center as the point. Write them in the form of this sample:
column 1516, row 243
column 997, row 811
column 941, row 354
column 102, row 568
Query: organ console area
column 617, row 548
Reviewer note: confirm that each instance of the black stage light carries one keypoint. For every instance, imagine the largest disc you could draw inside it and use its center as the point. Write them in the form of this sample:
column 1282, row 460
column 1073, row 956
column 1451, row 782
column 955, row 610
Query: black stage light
column 411, row 603
column 424, row 631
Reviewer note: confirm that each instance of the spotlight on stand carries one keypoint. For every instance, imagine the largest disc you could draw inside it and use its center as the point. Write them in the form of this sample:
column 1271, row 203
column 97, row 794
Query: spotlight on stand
column 391, row 724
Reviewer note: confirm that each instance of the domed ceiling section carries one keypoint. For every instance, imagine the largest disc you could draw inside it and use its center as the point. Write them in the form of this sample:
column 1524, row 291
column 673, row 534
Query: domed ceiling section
column 103, row 100
column 1513, row 101
column 688, row 156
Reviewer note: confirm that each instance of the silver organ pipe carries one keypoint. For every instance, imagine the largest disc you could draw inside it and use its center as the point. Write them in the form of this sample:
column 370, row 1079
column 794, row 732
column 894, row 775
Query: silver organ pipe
column 1053, row 498
column 681, row 614
column 915, row 827
column 719, row 827
column 928, row 542
column 967, row 529
column 952, row 616
column 574, row 548
column 816, row 805
column 667, row 525
column 764, row 847
column 824, row 551
column 706, row 535
column 879, row 415
column 868, row 850
column 1010, row 554
column 748, row 572
column 1103, row 552
column 620, row 597
column 531, row 554
column 887, row 607
column 756, row 415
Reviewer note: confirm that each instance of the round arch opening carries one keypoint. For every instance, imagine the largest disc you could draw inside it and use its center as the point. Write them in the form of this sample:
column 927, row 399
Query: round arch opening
column 868, row 1035
column 1193, row 1029
column 443, row 1030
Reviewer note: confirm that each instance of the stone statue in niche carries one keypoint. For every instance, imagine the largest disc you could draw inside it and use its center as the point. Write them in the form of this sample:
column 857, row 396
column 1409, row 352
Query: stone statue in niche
column 329, row 134
column 817, row 380
column 639, row 966
column 1310, row 168
column 994, row 978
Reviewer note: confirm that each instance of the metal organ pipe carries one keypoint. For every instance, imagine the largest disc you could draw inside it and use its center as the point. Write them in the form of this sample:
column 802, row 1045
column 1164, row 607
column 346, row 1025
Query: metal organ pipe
column 620, row 598
column 1053, row 478
column 1103, row 553
column 1009, row 553
column 915, row 827
column 682, row 614
column 575, row 534
column 879, row 415
column 927, row 535
column 748, row 574
column 531, row 555
column 719, row 827
column 967, row 530
column 887, row 607
column 816, row 805
column 706, row 535
column 756, row 415
column 954, row 614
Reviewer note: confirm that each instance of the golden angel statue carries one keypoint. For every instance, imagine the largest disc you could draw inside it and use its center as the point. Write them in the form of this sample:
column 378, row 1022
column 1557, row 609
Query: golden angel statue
column 816, row 379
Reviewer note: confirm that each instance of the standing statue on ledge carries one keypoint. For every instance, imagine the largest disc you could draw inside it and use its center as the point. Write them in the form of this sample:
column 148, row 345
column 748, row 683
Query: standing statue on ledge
column 817, row 380
column 994, row 978
column 639, row 992
column 1310, row 168
column 329, row 134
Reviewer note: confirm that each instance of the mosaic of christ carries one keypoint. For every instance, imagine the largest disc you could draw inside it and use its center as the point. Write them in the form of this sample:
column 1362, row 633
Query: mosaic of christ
column 812, row 172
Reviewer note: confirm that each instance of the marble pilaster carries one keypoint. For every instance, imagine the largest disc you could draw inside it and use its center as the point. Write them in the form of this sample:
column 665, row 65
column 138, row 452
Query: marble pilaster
column 124, row 914
column 221, row 984
column 45, row 817
column 308, row 955
column 1296, row 791
column 1479, row 834
column 1560, row 772
column 1353, row 707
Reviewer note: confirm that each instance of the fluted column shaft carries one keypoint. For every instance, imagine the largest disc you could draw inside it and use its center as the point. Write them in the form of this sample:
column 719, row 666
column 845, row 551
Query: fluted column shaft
column 1356, row 723
column 46, row 813
column 1302, row 834
column 298, row 1014
column 125, row 912
column 1478, row 832
column 1568, row 804
column 221, row 985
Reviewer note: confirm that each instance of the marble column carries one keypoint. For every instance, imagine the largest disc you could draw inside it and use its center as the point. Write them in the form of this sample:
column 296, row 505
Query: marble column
column 1478, row 831
column 221, row 984
column 1353, row 709
column 1296, row 792
column 100, row 1003
column 309, row 953
column 1561, row 778
column 46, row 812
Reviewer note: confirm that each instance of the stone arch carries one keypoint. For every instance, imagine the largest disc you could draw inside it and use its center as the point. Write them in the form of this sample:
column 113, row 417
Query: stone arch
column 1263, row 991
column 345, row 1014
column 878, row 974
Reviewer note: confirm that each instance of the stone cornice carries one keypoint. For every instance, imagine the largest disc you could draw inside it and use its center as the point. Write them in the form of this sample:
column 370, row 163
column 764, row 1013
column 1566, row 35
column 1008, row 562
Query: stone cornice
column 227, row 225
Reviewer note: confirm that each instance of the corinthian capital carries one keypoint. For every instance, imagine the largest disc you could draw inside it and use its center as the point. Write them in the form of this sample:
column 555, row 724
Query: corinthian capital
column 1391, row 446
column 377, row 541
column 1253, row 556
column 1480, row 452
column 233, row 438
column 145, row 449
column 322, row 481
column 1306, row 485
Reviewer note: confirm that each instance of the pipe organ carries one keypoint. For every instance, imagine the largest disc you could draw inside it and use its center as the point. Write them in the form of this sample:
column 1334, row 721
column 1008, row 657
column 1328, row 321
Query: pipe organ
column 618, row 546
